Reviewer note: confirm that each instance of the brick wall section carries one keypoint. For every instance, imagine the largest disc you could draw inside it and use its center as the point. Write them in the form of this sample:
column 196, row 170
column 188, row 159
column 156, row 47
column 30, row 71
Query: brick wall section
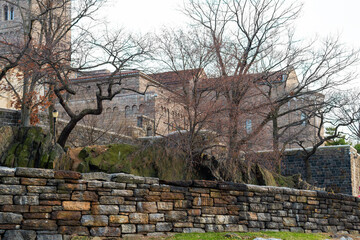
column 9, row 117
column 59, row 204
column 336, row 168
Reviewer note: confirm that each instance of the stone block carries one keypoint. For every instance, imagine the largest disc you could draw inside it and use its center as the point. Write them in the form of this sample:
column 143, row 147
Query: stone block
column 66, row 215
column 15, row 208
column 183, row 225
column 264, row 217
column 105, row 231
column 127, row 208
column 49, row 237
column 33, row 181
column 111, row 200
column 26, row 200
column 182, row 204
column 61, row 174
column 127, row 178
column 34, row 172
column 12, row 190
column 36, row 215
column 11, row 180
column 156, row 217
column 7, row 172
column 71, row 187
column 165, row 206
column 114, row 185
column 94, row 184
column 6, row 199
column 214, row 210
column 104, row 209
column 123, row 193
column 118, row 219
column 145, row 228
column 84, row 196
column 235, row 228
column 72, row 230
column 214, row 228
column 19, row 235
column 55, row 196
column 193, row 230
column 41, row 189
column 172, row 196
column 94, row 220
column 141, row 192
column 10, row 218
column 50, row 202
column 39, row 224
column 176, row 216
column 128, row 228
column 96, row 176
column 148, row 207
column 226, row 219
column 289, row 222
column 76, row 206
column 139, row 218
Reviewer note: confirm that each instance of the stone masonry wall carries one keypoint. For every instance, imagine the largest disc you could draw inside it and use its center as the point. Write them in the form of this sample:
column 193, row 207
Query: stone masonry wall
column 58, row 205
column 336, row 168
column 9, row 117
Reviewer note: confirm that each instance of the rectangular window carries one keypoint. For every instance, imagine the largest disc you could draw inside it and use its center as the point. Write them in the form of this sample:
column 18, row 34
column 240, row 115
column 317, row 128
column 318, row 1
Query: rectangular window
column 248, row 126
column 12, row 13
column 303, row 119
column 283, row 77
column 139, row 122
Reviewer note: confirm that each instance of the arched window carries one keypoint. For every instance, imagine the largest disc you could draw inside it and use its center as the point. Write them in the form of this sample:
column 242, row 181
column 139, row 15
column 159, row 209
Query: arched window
column 108, row 110
column 134, row 108
column 127, row 111
column 115, row 109
column 6, row 13
column 12, row 13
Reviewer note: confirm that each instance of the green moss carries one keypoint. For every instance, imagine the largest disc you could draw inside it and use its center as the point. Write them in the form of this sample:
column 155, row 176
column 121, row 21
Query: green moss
column 283, row 181
column 83, row 167
column 23, row 158
column 44, row 160
column 268, row 177
column 9, row 160
column 84, row 153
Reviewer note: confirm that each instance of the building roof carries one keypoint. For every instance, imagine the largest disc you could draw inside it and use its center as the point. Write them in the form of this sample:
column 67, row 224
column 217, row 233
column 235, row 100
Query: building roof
column 178, row 78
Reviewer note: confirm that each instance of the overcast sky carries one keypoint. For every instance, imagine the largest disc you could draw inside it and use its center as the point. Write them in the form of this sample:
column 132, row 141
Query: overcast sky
column 319, row 17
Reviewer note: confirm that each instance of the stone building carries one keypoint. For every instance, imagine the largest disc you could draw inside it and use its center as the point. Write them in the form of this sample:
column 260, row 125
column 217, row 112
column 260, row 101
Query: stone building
column 160, row 110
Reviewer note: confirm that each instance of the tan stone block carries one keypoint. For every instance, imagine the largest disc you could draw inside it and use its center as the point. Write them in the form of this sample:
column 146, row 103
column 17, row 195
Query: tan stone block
column 214, row 210
column 183, row 224
column 84, row 196
column 302, row 199
column 165, row 206
column 118, row 219
column 172, row 196
column 194, row 212
column 76, row 206
column 15, row 208
column 41, row 209
column 149, row 207
column 66, row 215
column 33, row 181
column 141, row 218
column 203, row 201
column 54, row 203
column 215, row 194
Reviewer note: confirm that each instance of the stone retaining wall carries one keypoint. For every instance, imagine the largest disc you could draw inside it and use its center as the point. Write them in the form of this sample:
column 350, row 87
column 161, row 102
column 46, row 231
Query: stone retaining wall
column 57, row 205
column 9, row 117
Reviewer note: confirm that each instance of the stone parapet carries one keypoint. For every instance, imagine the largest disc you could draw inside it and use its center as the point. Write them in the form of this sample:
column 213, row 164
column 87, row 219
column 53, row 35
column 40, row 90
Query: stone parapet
column 50, row 204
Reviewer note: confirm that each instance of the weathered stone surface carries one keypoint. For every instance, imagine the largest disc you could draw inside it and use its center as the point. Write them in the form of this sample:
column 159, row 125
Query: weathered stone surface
column 15, row 208
column 104, row 209
column 55, row 196
column 39, row 224
column 176, row 216
column 289, row 222
column 84, row 196
column 127, row 208
column 105, row 231
column 114, row 185
column 76, row 206
column 6, row 199
column 171, row 196
column 33, row 181
column 163, row 227
column 128, row 228
column 156, row 217
column 149, row 207
column 124, row 193
column 96, row 176
column 111, row 200
column 36, row 215
column 193, row 230
column 26, row 200
column 145, row 228
column 20, row 235
column 66, row 215
column 118, row 219
column 10, row 218
column 34, row 172
column 165, row 206
column 7, row 172
column 72, row 230
column 226, row 219
column 127, row 178
column 140, row 218
column 49, row 237
column 71, row 187
column 12, row 189
column 214, row 210
column 60, row 174
column 41, row 189
column 94, row 220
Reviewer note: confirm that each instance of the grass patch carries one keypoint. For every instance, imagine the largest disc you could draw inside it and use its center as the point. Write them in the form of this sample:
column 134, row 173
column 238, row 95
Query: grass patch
column 248, row 236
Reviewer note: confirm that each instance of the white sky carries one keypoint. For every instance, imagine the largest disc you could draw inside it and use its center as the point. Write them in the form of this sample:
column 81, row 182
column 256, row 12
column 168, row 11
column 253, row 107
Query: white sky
column 319, row 18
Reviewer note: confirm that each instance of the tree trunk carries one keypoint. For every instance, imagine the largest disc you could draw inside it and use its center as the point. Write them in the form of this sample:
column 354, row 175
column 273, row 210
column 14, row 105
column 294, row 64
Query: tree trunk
column 275, row 142
column 66, row 132
column 233, row 134
column 25, row 106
